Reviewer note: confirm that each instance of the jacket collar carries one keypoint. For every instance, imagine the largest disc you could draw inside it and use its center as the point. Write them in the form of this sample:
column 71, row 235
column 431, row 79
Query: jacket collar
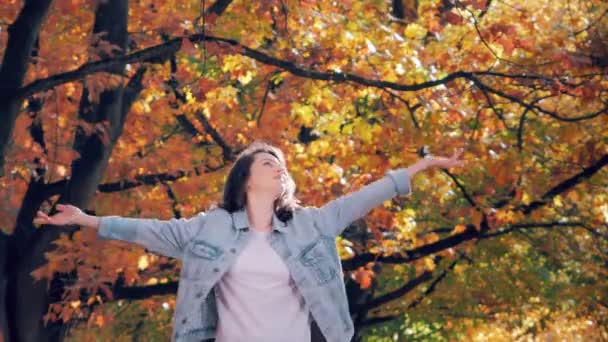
column 241, row 221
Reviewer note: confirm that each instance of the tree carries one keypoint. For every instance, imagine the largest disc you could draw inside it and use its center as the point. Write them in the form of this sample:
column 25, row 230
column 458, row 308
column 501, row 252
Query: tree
column 168, row 92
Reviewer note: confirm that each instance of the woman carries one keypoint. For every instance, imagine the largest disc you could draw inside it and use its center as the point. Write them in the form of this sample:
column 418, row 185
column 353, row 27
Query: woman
column 259, row 267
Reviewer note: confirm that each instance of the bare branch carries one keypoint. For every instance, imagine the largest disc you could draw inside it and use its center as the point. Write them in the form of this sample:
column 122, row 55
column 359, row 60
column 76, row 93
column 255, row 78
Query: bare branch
column 533, row 225
column 565, row 185
column 385, row 298
column 435, row 282
column 532, row 106
column 142, row 292
column 227, row 150
column 414, row 254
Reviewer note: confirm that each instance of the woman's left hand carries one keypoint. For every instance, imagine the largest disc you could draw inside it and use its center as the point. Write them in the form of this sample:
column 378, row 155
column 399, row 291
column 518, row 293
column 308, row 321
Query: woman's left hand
column 446, row 162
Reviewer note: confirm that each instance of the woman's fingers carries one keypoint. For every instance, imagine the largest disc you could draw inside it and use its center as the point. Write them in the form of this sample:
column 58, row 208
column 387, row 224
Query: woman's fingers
column 456, row 157
column 457, row 153
column 41, row 218
column 43, row 215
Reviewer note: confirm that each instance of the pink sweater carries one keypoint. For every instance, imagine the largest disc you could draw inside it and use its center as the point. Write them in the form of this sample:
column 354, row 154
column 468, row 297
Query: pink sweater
column 257, row 300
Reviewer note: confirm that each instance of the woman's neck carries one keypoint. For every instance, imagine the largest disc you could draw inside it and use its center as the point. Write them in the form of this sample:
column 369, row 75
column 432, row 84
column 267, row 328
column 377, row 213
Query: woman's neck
column 260, row 209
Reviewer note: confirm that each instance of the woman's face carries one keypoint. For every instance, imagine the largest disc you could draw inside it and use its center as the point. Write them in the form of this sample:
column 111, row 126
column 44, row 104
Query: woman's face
column 266, row 175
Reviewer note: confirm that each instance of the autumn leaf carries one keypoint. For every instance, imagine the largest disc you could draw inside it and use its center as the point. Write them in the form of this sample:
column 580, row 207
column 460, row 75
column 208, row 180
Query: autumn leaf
column 453, row 18
column 458, row 229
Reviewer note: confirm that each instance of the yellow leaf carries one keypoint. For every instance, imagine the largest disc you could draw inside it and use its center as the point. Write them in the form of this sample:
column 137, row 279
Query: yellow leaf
column 143, row 263
column 429, row 264
column 525, row 198
column 333, row 128
column 306, row 113
column 415, row 31
column 246, row 78
column 459, row 269
column 152, row 281
column 231, row 63
column 557, row 200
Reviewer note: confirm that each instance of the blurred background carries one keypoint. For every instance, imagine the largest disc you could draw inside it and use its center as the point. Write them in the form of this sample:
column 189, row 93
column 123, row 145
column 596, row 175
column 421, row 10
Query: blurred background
column 138, row 108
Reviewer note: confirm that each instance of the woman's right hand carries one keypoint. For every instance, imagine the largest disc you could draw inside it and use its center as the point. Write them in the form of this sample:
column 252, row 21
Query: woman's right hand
column 66, row 214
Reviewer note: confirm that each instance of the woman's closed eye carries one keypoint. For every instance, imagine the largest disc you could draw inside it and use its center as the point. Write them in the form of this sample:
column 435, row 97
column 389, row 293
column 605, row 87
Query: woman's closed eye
column 272, row 164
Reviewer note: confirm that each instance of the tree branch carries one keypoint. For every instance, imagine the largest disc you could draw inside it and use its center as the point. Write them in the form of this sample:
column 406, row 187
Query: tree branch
column 22, row 36
column 162, row 52
column 532, row 106
column 408, row 256
column 131, row 92
column 191, row 130
column 565, row 185
column 435, row 282
column 542, row 225
column 428, row 291
column 227, row 150
column 387, row 297
column 218, row 7
column 174, row 201
column 142, row 292
column 378, row 320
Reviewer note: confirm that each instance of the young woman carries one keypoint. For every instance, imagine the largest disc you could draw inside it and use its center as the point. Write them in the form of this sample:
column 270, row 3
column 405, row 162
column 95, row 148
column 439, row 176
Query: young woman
column 259, row 267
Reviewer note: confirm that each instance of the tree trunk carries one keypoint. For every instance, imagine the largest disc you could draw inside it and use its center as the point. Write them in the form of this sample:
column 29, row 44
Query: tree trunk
column 29, row 300
column 22, row 35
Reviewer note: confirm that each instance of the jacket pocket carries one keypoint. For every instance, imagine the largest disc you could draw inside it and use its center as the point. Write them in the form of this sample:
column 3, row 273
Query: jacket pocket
column 199, row 258
column 316, row 258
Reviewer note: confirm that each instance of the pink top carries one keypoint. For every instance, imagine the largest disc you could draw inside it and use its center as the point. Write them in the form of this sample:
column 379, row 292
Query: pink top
column 257, row 300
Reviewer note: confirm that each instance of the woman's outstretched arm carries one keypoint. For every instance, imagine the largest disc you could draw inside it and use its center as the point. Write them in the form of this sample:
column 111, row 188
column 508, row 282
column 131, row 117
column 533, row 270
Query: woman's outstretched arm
column 338, row 214
column 165, row 237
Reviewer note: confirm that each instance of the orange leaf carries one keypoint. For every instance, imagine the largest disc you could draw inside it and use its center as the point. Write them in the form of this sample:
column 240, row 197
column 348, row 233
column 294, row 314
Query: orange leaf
column 459, row 228
column 99, row 321
column 452, row 18
column 434, row 25
column 187, row 47
column 66, row 314
column 363, row 277
column 366, row 281
column 507, row 44
column 477, row 4
column 476, row 217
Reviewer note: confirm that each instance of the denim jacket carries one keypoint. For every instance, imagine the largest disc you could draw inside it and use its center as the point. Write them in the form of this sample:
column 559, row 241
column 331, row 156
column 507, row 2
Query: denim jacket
column 209, row 242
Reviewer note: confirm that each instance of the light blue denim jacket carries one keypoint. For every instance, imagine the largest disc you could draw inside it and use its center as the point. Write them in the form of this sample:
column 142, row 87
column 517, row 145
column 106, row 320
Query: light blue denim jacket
column 209, row 242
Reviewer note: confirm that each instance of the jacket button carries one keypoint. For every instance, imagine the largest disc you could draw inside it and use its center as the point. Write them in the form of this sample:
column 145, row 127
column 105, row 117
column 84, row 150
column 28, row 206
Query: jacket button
column 216, row 270
column 232, row 250
column 184, row 320
column 199, row 295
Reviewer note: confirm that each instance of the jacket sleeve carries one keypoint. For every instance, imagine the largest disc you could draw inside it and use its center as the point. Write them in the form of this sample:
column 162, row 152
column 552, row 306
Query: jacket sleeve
column 339, row 213
column 165, row 237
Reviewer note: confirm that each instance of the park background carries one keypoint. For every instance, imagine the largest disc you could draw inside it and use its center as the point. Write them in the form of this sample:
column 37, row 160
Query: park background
column 138, row 108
